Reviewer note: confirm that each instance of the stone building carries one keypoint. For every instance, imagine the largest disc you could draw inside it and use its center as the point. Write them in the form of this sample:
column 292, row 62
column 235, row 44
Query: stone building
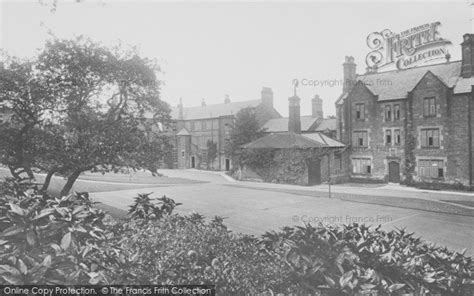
column 194, row 127
column 293, row 156
column 410, row 126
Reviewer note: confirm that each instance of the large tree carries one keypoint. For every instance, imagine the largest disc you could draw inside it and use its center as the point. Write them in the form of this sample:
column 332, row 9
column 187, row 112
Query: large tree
column 106, row 111
column 26, row 98
column 245, row 130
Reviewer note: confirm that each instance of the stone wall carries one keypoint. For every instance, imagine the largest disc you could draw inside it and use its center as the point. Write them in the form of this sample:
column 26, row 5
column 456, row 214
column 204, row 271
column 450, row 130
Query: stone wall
column 290, row 166
column 453, row 114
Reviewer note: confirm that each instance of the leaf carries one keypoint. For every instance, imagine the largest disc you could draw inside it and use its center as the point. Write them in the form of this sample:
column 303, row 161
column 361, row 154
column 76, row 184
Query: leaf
column 31, row 238
column 330, row 281
column 345, row 278
column 47, row 261
column 66, row 241
column 11, row 231
column 43, row 213
column 395, row 287
column 56, row 248
column 367, row 286
column 16, row 209
column 9, row 270
column 12, row 280
column 22, row 266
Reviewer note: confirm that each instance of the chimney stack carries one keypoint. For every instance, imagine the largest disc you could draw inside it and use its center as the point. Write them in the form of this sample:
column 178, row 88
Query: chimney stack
column 467, row 64
column 349, row 74
column 267, row 97
column 227, row 99
column 317, row 107
column 180, row 107
column 294, row 121
column 203, row 102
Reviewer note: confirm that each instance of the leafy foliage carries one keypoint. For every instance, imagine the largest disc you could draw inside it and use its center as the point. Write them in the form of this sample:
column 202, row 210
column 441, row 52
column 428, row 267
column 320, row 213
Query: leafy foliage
column 68, row 241
column 211, row 153
column 146, row 209
column 246, row 129
column 48, row 241
column 358, row 260
column 80, row 106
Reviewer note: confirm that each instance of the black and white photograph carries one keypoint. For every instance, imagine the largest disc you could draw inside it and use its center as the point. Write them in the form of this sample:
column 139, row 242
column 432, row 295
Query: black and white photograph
column 225, row 147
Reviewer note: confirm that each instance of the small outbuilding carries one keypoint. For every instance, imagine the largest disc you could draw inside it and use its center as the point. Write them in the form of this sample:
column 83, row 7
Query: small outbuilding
column 291, row 157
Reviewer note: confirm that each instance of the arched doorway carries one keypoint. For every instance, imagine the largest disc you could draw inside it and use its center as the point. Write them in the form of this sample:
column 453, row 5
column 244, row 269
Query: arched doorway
column 394, row 172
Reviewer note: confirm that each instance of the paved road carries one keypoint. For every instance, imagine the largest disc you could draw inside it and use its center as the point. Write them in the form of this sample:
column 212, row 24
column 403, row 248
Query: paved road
column 255, row 211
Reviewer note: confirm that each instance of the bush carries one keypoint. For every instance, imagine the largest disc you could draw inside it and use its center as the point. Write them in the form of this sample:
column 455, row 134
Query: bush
column 358, row 260
column 183, row 250
column 68, row 241
column 48, row 241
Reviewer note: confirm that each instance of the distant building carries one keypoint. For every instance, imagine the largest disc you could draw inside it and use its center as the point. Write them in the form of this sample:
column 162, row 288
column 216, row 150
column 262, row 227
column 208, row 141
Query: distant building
column 193, row 127
column 413, row 125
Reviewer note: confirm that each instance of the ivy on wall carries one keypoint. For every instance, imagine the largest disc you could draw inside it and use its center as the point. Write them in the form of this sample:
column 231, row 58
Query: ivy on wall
column 288, row 166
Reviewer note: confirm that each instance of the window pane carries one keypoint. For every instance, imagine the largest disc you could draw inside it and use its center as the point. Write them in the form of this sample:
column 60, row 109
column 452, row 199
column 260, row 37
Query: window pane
column 423, row 138
column 435, row 137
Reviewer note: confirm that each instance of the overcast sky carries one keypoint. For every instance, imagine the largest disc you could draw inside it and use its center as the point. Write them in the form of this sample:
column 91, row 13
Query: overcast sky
column 209, row 49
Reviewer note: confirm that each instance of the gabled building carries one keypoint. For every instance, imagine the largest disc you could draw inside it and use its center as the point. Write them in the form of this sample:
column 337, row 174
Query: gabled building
column 413, row 125
column 194, row 127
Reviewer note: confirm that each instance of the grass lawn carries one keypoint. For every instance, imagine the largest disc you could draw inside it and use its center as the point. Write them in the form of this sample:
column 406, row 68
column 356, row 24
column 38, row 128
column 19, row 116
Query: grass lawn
column 96, row 182
column 139, row 177
column 109, row 182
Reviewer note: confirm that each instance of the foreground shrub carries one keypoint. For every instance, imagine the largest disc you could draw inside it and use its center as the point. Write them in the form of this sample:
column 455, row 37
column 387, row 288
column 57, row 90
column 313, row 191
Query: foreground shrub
column 68, row 241
column 358, row 260
column 48, row 240
column 186, row 249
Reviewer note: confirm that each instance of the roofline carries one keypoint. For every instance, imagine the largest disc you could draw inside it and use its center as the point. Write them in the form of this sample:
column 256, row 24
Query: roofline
column 200, row 106
column 396, row 70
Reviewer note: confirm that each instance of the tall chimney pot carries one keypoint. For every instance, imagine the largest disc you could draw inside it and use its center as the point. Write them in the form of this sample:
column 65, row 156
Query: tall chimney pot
column 467, row 64
column 267, row 97
column 349, row 67
column 294, row 121
column 317, row 107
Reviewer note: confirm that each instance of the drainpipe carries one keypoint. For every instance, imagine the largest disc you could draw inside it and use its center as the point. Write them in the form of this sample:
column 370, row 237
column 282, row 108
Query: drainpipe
column 469, row 118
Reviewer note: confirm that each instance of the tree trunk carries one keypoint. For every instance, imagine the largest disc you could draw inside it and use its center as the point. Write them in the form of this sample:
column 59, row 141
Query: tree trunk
column 70, row 181
column 29, row 172
column 47, row 181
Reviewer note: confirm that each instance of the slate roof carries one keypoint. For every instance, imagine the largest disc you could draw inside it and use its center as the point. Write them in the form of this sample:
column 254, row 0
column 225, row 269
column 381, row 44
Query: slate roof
column 327, row 124
column 213, row 111
column 278, row 125
column 292, row 141
column 396, row 84
column 321, row 138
